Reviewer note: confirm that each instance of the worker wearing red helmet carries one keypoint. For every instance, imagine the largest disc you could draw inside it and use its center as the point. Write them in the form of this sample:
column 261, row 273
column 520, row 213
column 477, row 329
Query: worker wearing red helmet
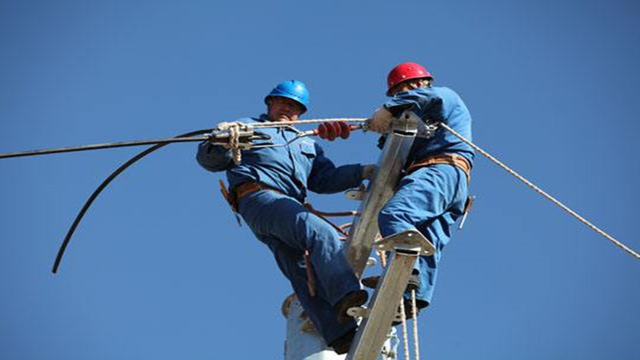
column 434, row 193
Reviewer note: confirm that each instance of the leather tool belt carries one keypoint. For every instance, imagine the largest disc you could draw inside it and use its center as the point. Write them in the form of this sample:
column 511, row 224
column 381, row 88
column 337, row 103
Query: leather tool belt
column 456, row 160
column 233, row 197
column 249, row 187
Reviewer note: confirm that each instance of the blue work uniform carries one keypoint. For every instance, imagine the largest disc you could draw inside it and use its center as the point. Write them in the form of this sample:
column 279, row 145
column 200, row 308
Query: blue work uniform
column 431, row 198
column 280, row 221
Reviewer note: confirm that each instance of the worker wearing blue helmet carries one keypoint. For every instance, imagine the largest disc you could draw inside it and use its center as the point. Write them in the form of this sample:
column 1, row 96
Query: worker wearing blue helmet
column 268, row 189
column 293, row 89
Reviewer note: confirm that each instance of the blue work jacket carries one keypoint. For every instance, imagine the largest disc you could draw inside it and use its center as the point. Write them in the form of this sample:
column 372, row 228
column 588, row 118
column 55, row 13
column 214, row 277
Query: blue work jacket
column 292, row 169
column 438, row 104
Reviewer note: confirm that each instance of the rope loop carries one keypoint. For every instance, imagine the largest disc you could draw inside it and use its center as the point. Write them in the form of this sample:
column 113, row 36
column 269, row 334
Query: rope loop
column 234, row 142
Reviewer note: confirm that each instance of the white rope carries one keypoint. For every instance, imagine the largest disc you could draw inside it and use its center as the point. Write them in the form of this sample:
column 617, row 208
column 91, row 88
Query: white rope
column 234, row 131
column 543, row 193
column 414, row 309
column 309, row 121
column 405, row 332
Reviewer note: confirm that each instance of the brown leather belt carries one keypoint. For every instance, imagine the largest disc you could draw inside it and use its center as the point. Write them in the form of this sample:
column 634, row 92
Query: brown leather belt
column 242, row 190
column 452, row 159
column 249, row 187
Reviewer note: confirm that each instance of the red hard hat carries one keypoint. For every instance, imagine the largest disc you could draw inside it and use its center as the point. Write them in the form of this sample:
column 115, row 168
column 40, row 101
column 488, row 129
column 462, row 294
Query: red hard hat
column 406, row 71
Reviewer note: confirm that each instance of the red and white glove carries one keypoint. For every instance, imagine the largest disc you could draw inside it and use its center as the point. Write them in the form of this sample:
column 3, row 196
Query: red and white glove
column 334, row 129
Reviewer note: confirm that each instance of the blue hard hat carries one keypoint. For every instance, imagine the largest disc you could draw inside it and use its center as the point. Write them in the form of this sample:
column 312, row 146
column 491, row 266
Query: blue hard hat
column 292, row 89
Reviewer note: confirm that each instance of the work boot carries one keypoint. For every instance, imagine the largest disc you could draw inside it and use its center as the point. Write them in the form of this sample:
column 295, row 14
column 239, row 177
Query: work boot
column 353, row 299
column 372, row 282
column 342, row 344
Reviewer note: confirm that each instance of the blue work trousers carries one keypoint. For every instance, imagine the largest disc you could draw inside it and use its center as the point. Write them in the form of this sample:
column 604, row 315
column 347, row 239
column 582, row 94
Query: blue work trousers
column 288, row 229
column 430, row 200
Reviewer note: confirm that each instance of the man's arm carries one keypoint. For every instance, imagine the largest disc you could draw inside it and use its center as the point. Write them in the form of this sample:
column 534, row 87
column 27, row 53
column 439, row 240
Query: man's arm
column 213, row 157
column 326, row 178
column 424, row 102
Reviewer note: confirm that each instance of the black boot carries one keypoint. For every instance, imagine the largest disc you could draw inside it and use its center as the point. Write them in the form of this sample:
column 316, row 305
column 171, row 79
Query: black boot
column 353, row 299
column 342, row 344
column 372, row 282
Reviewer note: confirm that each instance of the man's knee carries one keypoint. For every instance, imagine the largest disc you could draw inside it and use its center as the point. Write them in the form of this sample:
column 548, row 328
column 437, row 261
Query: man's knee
column 315, row 231
column 392, row 221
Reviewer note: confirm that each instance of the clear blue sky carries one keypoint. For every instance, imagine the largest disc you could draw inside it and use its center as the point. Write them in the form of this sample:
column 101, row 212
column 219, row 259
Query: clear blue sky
column 160, row 270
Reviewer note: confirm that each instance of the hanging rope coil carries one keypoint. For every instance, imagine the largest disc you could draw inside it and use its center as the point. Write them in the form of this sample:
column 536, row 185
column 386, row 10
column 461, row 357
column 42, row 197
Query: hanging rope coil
column 234, row 141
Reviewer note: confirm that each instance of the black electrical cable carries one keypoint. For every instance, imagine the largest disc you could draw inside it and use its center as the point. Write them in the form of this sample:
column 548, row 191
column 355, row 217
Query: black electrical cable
column 184, row 138
column 105, row 183
column 159, row 143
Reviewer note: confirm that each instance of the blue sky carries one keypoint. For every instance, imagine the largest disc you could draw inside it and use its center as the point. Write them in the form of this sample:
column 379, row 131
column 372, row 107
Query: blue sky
column 159, row 268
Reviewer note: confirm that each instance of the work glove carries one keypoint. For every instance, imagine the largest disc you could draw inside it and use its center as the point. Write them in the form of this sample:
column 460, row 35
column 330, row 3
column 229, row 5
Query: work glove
column 333, row 129
column 380, row 121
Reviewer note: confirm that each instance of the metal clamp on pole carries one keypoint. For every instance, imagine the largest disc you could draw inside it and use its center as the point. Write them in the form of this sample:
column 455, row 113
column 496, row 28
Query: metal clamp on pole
column 374, row 328
column 388, row 173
